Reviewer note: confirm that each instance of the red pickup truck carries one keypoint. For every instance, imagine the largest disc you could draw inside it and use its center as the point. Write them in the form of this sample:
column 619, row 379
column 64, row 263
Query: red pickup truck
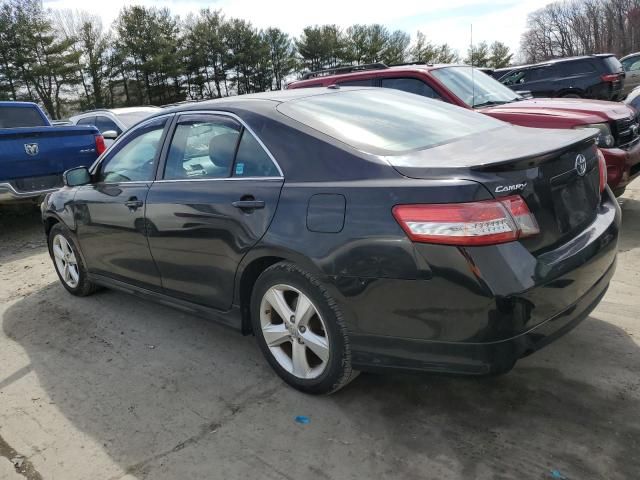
column 470, row 88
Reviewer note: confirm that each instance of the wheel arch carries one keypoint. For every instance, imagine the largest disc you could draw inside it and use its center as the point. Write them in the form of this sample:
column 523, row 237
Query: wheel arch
column 252, row 266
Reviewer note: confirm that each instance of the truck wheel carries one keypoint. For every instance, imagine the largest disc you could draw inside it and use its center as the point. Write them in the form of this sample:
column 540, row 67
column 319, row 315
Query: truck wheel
column 68, row 262
column 300, row 330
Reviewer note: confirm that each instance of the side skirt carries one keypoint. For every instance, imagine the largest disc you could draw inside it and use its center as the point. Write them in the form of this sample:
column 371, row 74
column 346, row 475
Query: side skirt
column 230, row 318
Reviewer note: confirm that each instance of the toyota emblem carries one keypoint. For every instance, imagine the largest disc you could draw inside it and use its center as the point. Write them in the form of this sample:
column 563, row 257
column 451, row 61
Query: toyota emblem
column 581, row 165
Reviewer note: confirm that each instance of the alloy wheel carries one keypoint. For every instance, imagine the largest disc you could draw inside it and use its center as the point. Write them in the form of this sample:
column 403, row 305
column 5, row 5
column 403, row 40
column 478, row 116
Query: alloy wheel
column 65, row 261
column 294, row 331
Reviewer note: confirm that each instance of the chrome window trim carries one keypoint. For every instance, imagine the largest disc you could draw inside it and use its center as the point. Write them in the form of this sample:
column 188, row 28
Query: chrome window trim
column 216, row 179
column 125, row 134
column 244, row 124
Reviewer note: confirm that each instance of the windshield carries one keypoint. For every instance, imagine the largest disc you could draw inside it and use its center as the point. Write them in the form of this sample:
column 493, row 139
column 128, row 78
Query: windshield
column 385, row 121
column 131, row 118
column 473, row 87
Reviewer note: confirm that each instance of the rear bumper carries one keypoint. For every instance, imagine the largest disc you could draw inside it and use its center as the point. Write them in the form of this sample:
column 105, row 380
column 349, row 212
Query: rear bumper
column 622, row 166
column 9, row 194
column 481, row 308
column 383, row 353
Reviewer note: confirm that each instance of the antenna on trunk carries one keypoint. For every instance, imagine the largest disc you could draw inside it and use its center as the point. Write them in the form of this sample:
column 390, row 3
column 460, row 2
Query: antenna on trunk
column 473, row 82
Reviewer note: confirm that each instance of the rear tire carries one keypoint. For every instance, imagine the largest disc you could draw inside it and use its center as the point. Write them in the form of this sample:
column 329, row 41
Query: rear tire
column 310, row 349
column 570, row 95
column 68, row 263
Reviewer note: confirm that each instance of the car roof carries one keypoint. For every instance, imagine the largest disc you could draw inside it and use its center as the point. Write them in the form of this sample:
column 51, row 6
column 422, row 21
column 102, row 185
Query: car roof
column 117, row 111
column 323, row 75
column 242, row 101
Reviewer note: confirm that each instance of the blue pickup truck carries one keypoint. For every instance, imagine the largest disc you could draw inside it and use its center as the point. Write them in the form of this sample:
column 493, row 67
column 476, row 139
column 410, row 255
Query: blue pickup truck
column 34, row 153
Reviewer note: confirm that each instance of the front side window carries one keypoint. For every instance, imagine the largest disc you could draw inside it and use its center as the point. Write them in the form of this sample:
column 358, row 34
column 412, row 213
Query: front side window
column 385, row 121
column 411, row 85
column 203, row 146
column 134, row 158
column 473, row 87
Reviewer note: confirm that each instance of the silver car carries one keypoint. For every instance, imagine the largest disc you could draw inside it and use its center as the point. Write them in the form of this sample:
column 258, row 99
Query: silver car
column 112, row 122
column 631, row 65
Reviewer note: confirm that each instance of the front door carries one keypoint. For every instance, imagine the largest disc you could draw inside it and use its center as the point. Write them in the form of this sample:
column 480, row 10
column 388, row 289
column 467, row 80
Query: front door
column 110, row 211
column 213, row 201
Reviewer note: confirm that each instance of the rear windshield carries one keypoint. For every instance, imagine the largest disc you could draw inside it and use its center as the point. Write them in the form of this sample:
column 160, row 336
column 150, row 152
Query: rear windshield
column 384, row 121
column 613, row 64
column 17, row 117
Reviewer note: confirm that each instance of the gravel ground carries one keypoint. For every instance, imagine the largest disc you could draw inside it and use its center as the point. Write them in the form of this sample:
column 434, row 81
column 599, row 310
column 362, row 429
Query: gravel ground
column 114, row 387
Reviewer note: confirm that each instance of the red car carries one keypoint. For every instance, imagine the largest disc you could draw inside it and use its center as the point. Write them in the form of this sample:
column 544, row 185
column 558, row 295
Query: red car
column 470, row 88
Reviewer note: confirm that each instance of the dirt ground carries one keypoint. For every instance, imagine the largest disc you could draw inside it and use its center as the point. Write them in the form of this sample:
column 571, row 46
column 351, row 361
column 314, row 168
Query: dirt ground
column 114, row 387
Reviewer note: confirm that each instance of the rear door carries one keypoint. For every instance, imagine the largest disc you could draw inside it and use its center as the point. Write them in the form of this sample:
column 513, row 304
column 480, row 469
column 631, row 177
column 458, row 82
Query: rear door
column 110, row 211
column 214, row 199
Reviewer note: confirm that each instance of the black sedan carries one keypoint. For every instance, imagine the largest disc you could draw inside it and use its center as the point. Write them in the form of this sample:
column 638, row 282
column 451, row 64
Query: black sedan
column 348, row 229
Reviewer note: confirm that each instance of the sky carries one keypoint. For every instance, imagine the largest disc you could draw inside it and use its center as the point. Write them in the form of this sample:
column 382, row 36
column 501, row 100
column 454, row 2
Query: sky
column 442, row 21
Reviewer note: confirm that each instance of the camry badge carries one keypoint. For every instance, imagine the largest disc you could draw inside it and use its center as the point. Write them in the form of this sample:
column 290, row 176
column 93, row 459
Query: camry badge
column 581, row 164
column 31, row 148
column 511, row 188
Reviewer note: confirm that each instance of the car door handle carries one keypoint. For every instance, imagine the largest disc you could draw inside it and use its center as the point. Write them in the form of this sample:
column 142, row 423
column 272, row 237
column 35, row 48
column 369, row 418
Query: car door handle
column 248, row 204
column 133, row 203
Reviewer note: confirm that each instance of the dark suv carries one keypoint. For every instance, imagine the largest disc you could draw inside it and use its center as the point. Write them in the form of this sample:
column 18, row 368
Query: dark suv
column 594, row 76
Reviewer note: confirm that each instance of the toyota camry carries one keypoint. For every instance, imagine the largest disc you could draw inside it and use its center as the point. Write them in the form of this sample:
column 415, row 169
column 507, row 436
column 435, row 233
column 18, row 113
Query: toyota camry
column 348, row 229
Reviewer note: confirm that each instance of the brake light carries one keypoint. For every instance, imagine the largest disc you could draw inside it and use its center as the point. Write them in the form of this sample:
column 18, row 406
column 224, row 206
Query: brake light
column 486, row 222
column 602, row 169
column 610, row 77
column 100, row 146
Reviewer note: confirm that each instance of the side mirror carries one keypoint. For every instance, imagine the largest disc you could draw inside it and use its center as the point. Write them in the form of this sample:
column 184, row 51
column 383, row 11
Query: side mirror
column 110, row 135
column 76, row 176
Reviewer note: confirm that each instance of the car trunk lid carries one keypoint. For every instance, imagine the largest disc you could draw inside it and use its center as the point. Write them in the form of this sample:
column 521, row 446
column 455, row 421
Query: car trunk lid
column 555, row 171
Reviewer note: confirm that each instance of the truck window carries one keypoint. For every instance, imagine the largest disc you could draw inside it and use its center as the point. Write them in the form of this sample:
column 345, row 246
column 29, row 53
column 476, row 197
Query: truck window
column 19, row 117
column 411, row 85
column 367, row 82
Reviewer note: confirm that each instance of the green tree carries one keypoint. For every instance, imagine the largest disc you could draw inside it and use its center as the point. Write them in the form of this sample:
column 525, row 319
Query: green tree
column 396, row 49
column 478, row 55
column 282, row 52
column 500, row 56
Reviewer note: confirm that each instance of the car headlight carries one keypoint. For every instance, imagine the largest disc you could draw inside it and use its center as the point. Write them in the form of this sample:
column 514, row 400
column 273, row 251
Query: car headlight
column 605, row 139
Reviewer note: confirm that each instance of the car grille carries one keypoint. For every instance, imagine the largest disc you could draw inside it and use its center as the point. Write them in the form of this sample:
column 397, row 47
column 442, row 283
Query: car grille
column 626, row 132
column 32, row 184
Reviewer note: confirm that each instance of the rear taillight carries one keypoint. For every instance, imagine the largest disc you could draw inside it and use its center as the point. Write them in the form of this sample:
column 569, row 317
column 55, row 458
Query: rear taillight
column 610, row 77
column 100, row 146
column 602, row 170
column 475, row 223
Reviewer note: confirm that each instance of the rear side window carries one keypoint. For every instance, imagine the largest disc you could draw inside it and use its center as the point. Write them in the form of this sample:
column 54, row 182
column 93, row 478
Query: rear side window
column 203, row 146
column 575, row 68
column 411, row 85
column 386, row 121
column 105, row 124
column 87, row 121
column 252, row 160
column 19, row 117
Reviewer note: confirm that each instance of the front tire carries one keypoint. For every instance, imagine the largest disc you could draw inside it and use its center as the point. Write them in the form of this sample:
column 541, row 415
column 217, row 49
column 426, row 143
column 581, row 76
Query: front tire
column 68, row 263
column 300, row 330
